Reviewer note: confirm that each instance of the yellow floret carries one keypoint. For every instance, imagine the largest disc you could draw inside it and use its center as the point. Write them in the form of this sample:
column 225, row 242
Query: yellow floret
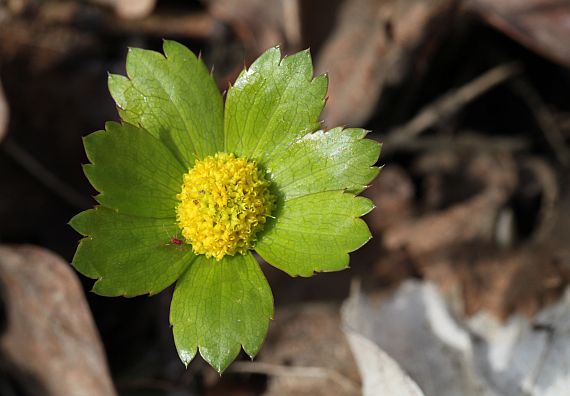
column 223, row 203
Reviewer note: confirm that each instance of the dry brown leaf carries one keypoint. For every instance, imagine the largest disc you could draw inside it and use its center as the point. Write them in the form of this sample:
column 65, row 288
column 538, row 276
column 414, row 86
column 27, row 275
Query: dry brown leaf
column 375, row 43
column 541, row 25
column 49, row 335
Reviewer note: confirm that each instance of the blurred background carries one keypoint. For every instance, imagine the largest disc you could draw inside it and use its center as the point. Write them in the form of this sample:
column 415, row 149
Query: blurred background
column 464, row 282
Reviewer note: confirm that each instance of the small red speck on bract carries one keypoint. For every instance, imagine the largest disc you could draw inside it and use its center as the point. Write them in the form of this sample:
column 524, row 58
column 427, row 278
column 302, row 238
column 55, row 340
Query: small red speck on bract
column 175, row 241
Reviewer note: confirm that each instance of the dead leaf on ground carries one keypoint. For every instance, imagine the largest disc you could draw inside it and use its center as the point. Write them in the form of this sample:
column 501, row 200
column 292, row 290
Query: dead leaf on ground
column 381, row 375
column 530, row 357
column 415, row 328
column 50, row 345
column 467, row 220
column 473, row 247
column 309, row 336
column 375, row 43
column 479, row 356
column 393, row 194
column 541, row 25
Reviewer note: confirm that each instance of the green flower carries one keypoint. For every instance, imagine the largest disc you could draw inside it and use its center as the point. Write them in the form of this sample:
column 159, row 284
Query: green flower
column 188, row 189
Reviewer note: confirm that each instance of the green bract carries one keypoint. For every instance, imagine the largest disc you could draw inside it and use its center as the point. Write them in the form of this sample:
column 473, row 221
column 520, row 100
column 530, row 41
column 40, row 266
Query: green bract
column 173, row 116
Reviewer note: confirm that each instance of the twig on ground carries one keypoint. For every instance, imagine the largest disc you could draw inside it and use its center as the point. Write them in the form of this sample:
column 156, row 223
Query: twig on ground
column 549, row 196
column 471, row 140
column 52, row 182
column 148, row 384
column 4, row 114
column 294, row 371
column 450, row 103
column 545, row 119
column 129, row 9
column 195, row 25
column 563, row 121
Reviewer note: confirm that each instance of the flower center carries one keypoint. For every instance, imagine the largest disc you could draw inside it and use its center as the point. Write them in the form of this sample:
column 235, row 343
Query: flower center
column 223, row 203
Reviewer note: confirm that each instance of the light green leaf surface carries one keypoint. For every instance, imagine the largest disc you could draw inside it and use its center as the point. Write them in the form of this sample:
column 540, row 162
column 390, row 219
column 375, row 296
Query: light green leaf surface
column 218, row 307
column 273, row 103
column 174, row 97
column 339, row 159
column 129, row 255
column 315, row 233
column 134, row 172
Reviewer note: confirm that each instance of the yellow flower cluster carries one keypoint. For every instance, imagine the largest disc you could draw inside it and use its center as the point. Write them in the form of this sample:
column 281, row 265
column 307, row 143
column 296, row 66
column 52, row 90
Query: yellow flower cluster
column 224, row 202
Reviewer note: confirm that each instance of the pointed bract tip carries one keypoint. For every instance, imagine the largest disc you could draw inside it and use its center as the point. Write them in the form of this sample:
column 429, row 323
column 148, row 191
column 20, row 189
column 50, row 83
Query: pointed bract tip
column 186, row 357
